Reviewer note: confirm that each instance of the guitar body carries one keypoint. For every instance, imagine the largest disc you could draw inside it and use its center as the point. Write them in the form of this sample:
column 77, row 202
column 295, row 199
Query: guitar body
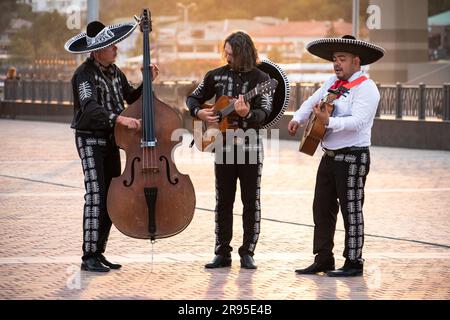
column 221, row 104
column 314, row 132
column 206, row 133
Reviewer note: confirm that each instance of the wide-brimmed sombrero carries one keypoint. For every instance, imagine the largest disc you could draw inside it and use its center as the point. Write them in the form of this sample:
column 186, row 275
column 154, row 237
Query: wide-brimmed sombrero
column 99, row 36
column 281, row 94
column 367, row 52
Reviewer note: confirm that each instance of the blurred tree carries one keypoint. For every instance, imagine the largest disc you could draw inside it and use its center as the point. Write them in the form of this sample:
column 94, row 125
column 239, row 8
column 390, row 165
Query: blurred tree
column 21, row 51
column 45, row 38
column 438, row 6
column 10, row 9
column 6, row 8
column 24, row 11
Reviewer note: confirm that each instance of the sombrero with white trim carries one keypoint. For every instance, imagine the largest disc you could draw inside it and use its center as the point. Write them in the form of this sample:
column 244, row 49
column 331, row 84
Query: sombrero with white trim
column 281, row 95
column 367, row 52
column 99, row 36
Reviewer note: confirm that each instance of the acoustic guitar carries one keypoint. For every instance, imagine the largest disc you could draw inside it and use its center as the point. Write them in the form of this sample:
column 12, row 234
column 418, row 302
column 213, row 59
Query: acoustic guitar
column 315, row 130
column 206, row 133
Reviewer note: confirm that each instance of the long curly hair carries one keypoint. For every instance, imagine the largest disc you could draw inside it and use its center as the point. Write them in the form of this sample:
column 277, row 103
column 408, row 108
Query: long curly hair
column 245, row 55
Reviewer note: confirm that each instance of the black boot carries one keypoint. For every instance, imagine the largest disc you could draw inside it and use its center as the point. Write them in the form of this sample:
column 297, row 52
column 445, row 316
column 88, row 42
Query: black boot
column 315, row 268
column 219, row 261
column 350, row 269
column 93, row 264
column 247, row 262
column 111, row 265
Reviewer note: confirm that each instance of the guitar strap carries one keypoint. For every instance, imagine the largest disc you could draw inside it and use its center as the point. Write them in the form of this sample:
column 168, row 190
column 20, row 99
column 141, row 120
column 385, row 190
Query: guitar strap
column 342, row 90
column 355, row 82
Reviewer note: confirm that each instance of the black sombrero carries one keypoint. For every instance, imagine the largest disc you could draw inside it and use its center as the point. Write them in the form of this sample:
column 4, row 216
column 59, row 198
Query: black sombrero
column 367, row 52
column 99, row 36
column 281, row 95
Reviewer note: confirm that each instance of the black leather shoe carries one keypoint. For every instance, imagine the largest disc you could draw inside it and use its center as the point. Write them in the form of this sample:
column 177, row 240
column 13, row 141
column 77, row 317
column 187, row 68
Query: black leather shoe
column 219, row 261
column 350, row 269
column 93, row 264
column 111, row 265
column 247, row 262
column 316, row 267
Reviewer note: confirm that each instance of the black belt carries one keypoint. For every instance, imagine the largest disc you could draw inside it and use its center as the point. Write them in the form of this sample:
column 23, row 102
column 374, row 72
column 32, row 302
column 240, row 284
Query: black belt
column 96, row 133
column 332, row 153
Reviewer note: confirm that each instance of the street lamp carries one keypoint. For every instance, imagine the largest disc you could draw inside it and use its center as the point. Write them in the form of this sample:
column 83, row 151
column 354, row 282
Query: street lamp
column 355, row 18
column 186, row 11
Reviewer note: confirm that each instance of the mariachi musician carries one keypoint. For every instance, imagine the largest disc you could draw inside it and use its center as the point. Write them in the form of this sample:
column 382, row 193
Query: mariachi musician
column 238, row 157
column 346, row 160
column 99, row 90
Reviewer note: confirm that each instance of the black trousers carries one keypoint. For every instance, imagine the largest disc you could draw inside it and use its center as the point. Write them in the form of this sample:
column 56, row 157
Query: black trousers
column 342, row 178
column 100, row 159
column 248, row 170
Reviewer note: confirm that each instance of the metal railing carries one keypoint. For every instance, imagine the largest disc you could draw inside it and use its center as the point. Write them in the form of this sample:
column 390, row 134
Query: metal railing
column 398, row 100
column 420, row 101
column 415, row 101
column 38, row 91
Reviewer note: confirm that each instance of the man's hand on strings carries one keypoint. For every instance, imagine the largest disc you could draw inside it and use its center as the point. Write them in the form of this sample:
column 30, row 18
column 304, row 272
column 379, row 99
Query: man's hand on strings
column 155, row 70
column 321, row 114
column 207, row 115
column 129, row 123
column 241, row 107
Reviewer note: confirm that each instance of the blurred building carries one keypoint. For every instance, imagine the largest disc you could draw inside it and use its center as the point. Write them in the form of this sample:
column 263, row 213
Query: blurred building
column 178, row 41
column 280, row 40
column 404, row 33
column 439, row 36
column 59, row 5
column 203, row 40
column 288, row 39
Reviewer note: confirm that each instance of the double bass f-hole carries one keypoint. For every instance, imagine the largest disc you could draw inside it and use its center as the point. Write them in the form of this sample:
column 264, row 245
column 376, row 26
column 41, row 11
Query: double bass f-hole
column 175, row 181
column 125, row 183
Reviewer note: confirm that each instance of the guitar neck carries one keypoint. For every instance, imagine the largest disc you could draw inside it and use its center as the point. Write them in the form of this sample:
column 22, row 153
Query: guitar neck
column 252, row 93
column 329, row 98
column 230, row 108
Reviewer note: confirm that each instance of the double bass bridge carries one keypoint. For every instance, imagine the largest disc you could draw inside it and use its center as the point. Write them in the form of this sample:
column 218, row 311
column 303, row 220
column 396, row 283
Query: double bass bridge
column 147, row 170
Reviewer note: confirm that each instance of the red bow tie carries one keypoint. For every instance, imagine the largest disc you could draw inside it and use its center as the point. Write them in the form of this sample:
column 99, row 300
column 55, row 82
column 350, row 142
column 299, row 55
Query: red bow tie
column 337, row 84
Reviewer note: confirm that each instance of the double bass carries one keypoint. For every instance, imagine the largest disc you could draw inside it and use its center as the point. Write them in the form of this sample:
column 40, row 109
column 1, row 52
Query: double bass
column 151, row 199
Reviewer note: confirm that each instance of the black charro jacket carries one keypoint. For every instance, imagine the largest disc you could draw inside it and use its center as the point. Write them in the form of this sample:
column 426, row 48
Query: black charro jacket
column 98, row 96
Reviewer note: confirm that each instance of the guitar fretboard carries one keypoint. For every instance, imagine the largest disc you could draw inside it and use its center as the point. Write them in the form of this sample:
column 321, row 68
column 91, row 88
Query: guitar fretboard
column 230, row 108
column 252, row 93
column 329, row 98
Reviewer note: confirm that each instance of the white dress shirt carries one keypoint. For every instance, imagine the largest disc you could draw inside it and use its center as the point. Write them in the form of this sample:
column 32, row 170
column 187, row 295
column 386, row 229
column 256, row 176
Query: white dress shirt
column 352, row 119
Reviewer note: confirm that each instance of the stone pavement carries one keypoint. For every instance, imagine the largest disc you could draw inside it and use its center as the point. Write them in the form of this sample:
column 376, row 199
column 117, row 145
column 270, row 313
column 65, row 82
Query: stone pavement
column 407, row 215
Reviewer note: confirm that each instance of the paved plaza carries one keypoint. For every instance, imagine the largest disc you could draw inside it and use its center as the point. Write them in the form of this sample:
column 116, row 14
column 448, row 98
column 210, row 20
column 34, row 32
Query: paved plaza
column 407, row 224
